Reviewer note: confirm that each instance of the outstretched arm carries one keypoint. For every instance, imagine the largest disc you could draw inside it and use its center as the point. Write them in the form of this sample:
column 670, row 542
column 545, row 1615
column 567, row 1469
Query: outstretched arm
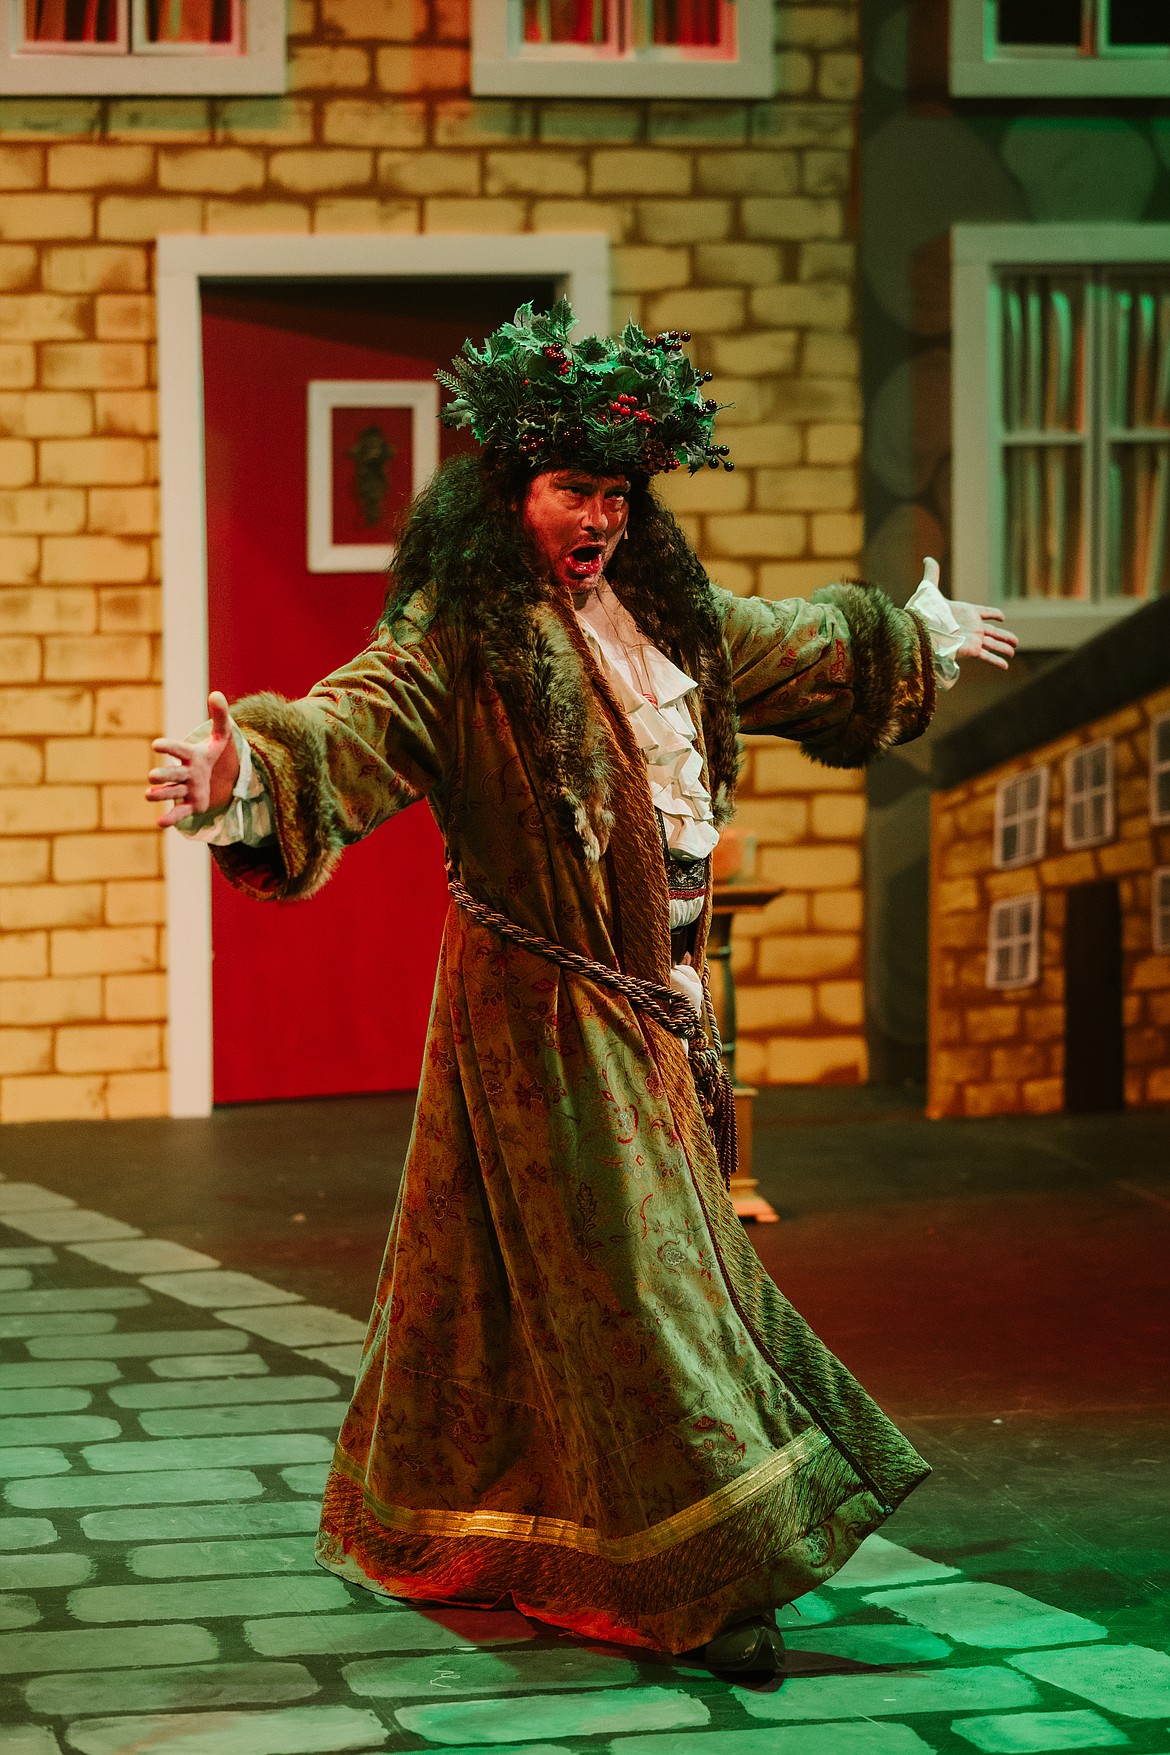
column 199, row 777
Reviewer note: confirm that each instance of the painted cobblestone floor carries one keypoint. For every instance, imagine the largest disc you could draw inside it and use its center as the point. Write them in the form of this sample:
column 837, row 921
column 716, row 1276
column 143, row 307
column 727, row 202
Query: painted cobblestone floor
column 164, row 1429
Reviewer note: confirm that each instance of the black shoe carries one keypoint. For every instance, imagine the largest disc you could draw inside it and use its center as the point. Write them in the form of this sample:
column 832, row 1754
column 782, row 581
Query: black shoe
column 750, row 1648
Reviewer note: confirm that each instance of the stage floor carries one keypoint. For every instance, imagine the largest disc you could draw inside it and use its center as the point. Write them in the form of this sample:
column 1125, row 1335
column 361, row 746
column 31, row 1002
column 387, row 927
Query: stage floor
column 1000, row 1286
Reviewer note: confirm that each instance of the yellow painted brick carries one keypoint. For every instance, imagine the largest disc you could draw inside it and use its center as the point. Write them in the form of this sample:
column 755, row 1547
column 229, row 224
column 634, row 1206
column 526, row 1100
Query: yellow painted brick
column 17, row 463
column 125, row 317
column 258, row 216
column 363, row 215
column 328, row 66
column 387, row 21
column 96, row 657
column 140, row 218
column 707, row 491
column 701, row 123
column 781, row 767
column 758, row 172
column 43, row 216
column 791, row 218
column 807, row 306
column 20, row 658
column 737, row 264
column 92, row 462
column 33, row 510
column 834, row 442
column 794, row 71
column 841, row 1002
column 210, row 170
column 123, row 512
column 29, row 712
column 24, row 955
column 615, row 218
column 124, row 807
column 781, row 1005
column 53, row 1098
column 103, row 950
column 743, row 402
column 373, row 122
column 710, row 309
column 21, row 167
column 537, row 172
column 781, row 579
column 453, row 215
column 809, row 956
column 825, row 172
column 18, row 365
column 129, row 904
column 18, row 266
column 650, row 268
column 756, row 533
column 99, row 164
column 775, row 821
column 95, row 268
column 481, row 121
column 50, row 1001
column 816, row 1060
column 26, row 907
column 817, row 27
column 762, row 350
column 266, row 121
column 121, row 712
column 126, row 411
column 97, row 759
column 36, row 414
column 684, row 222
column 783, row 914
column 586, row 124
column 838, row 816
column 421, row 68
column 130, row 610
column 20, row 765
column 770, row 443
column 26, row 1051
column 135, row 1094
column 811, row 489
column 106, row 560
column 811, row 868
column 312, row 171
column 93, row 365
column 37, row 610
column 84, row 858
column 40, row 810
column 837, row 533
column 160, row 119
column 831, row 356
column 838, row 910
column 839, row 77
column 130, row 997
column 24, row 862
column 738, row 577
column 42, row 317
column 114, row 1047
column 636, row 170
column 749, row 1061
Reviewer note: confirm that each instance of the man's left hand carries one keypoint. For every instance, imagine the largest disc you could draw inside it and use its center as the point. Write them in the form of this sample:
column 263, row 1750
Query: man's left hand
column 983, row 636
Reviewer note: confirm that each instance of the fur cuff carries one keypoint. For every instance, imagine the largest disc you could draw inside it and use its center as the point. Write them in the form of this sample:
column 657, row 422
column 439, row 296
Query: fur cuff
column 893, row 678
column 289, row 748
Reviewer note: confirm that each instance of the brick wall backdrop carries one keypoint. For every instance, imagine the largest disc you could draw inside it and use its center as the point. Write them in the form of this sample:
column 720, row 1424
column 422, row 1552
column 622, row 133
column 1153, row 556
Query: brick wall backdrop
column 731, row 220
column 1001, row 1052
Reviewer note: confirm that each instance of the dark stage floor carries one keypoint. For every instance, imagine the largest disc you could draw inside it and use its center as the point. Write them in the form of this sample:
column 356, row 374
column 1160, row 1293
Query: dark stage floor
column 1000, row 1286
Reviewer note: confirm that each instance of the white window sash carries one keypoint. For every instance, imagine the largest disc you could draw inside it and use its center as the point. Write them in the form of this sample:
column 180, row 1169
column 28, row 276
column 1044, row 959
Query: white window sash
column 1081, row 796
column 1013, row 931
column 1008, row 815
column 137, row 68
column 982, row 68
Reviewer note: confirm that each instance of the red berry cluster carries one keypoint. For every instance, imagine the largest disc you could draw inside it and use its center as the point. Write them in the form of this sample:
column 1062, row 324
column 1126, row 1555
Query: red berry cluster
column 626, row 406
column 670, row 340
column 556, row 356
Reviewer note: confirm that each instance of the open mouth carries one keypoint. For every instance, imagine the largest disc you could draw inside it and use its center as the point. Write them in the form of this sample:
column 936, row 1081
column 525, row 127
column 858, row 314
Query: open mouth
column 584, row 562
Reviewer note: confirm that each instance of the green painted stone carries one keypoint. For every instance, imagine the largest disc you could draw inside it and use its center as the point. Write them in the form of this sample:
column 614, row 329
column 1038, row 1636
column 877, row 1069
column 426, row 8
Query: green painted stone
column 44, row 1401
column 520, row 1672
column 879, row 1563
column 306, row 1478
column 202, row 1394
column 73, row 1298
column 987, row 1688
column 208, row 1601
column 835, row 1739
column 212, row 1291
column 32, row 1375
column 810, row 1610
column 32, row 1325
column 77, row 1226
column 56, row 1429
column 170, row 1690
column 143, row 1255
column 1130, row 1680
column 599, row 1714
column 16, row 1612
column 1020, row 1733
column 297, row 1730
column 199, row 1365
column 30, row 1460
column 271, row 1517
column 30, row 1197
column 873, row 1645
column 43, row 1571
column 294, row 1417
column 296, row 1325
column 14, row 1279
column 265, row 1451
column 390, row 1629
column 991, row 1616
column 89, row 1345
column 161, row 1489
column 211, row 1559
column 25, row 1532
column 28, row 1740
column 27, row 1254
column 105, row 1648
column 344, row 1360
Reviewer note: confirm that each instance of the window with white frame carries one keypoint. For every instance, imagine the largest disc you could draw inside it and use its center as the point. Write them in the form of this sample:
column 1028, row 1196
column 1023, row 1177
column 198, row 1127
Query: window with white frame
column 1062, row 424
column 1160, row 897
column 622, row 48
column 1089, row 808
column 1021, row 818
column 1060, row 48
column 1013, row 942
column 58, row 47
column 1160, row 769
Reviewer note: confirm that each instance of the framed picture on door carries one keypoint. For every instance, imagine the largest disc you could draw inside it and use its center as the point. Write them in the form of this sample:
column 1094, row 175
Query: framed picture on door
column 372, row 445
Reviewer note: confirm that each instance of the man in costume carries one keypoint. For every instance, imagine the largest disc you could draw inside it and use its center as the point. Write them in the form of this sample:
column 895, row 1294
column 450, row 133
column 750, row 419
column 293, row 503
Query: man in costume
column 579, row 1387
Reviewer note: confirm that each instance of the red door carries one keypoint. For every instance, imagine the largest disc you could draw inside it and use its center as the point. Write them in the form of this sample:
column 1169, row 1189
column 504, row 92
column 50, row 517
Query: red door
column 332, row 995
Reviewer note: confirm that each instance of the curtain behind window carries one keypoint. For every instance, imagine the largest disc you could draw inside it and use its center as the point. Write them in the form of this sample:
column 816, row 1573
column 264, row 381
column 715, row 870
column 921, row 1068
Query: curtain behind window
column 1138, row 456
column 1044, row 436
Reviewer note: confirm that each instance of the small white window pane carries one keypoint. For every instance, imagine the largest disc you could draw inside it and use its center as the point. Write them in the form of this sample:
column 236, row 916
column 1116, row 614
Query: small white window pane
column 186, row 26
column 1089, row 802
column 1014, row 943
column 1135, row 24
column 1032, row 24
column 683, row 24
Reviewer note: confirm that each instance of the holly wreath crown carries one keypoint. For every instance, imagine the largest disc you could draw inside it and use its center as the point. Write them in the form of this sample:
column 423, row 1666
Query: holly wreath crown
column 609, row 407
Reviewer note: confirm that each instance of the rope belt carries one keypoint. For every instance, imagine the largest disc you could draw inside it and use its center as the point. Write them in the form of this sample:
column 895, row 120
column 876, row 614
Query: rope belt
column 671, row 1010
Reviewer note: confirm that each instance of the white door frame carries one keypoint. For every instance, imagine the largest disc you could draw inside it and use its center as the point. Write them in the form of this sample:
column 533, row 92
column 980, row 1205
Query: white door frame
column 578, row 261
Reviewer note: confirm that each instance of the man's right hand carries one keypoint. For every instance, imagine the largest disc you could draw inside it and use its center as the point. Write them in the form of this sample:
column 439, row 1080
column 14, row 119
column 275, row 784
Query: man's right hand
column 200, row 776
